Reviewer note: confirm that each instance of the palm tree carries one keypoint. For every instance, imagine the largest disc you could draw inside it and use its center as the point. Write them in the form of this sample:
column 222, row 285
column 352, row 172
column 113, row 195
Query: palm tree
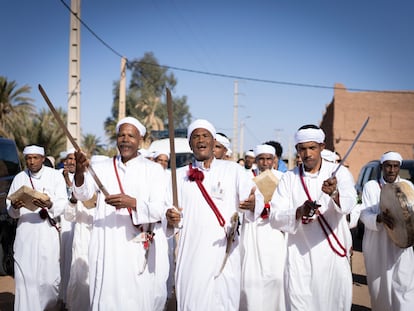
column 15, row 108
column 91, row 145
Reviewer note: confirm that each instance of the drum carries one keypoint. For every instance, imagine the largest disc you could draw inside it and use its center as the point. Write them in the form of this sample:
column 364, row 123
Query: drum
column 398, row 198
column 267, row 183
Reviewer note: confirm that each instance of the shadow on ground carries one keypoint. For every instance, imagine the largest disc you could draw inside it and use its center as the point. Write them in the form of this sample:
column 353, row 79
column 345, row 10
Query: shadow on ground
column 359, row 308
column 6, row 301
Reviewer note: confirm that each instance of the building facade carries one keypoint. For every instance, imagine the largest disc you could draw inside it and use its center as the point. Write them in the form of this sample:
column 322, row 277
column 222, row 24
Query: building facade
column 390, row 127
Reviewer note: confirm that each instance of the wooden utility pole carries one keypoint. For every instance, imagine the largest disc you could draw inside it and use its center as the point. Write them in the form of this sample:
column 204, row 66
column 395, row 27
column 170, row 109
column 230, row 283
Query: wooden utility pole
column 122, row 90
column 73, row 121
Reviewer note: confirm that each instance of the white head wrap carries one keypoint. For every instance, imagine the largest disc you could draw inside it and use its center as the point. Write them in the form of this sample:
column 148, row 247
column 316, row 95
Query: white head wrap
column 157, row 153
column 250, row 154
column 145, row 153
column 391, row 156
column 200, row 123
column 229, row 152
column 328, row 155
column 310, row 134
column 33, row 149
column 223, row 140
column 259, row 149
column 130, row 120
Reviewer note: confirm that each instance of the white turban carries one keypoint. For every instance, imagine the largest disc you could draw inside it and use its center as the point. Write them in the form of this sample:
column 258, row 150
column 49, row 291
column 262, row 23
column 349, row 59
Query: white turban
column 158, row 153
column 200, row 123
column 229, row 152
column 130, row 120
column 309, row 134
column 391, row 156
column 264, row 149
column 33, row 150
column 250, row 154
column 223, row 140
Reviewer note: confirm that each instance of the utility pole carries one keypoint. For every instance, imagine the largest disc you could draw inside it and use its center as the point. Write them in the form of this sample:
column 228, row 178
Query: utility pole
column 122, row 90
column 73, row 121
column 242, row 126
column 235, row 121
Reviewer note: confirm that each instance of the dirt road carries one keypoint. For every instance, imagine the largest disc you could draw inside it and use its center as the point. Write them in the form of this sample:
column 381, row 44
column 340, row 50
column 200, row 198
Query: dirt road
column 360, row 300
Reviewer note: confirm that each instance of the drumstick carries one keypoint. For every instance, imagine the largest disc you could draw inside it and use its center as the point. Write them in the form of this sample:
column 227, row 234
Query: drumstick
column 71, row 139
column 347, row 153
column 351, row 147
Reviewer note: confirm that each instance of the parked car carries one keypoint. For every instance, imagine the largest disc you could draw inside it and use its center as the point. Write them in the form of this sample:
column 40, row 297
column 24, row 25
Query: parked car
column 183, row 153
column 9, row 167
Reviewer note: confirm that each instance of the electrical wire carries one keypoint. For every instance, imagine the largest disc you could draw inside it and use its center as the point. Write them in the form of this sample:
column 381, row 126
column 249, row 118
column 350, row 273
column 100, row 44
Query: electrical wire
column 230, row 76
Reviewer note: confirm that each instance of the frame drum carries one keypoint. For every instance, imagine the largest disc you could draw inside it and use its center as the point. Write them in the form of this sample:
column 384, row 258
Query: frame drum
column 398, row 198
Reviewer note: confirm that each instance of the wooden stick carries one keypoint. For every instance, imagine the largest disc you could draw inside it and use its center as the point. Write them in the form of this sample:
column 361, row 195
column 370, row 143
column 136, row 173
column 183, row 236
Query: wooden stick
column 173, row 164
column 71, row 139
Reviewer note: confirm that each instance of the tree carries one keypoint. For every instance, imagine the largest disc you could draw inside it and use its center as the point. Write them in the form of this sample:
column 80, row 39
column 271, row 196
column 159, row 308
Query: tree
column 91, row 145
column 15, row 108
column 146, row 98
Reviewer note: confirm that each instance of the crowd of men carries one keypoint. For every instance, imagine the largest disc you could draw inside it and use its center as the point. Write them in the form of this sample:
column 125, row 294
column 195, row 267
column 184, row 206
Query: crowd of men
column 119, row 234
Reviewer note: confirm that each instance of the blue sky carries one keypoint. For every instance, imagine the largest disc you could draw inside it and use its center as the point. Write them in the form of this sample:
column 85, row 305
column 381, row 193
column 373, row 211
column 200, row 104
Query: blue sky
column 363, row 44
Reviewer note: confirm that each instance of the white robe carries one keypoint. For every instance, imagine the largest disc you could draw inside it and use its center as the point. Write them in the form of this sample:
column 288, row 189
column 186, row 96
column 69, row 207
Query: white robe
column 202, row 241
column 77, row 295
column 316, row 278
column 66, row 240
column 263, row 253
column 390, row 269
column 118, row 280
column 36, row 247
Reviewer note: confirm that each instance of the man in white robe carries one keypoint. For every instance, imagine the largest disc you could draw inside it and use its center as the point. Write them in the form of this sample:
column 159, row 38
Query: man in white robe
column 263, row 248
column 81, row 215
column 200, row 283
column 123, row 275
column 311, row 206
column 36, row 246
column 390, row 269
column 66, row 227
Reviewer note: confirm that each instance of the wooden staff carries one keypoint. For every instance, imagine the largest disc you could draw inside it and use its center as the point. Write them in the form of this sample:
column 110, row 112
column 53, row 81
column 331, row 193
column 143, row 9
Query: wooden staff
column 71, row 139
column 173, row 164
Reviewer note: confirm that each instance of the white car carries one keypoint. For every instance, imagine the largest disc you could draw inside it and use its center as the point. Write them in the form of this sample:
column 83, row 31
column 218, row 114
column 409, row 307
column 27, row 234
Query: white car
column 183, row 153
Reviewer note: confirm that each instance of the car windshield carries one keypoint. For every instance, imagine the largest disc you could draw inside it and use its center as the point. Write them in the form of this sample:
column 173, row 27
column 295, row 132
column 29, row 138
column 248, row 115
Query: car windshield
column 9, row 164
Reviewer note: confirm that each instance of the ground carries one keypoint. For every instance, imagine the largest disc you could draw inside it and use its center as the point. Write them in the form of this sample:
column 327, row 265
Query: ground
column 360, row 299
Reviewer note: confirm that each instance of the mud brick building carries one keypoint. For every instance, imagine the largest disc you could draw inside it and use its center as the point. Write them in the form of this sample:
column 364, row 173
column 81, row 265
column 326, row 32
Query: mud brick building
column 391, row 124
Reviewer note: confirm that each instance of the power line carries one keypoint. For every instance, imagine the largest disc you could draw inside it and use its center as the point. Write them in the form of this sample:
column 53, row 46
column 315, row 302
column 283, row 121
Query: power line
column 230, row 76
column 90, row 30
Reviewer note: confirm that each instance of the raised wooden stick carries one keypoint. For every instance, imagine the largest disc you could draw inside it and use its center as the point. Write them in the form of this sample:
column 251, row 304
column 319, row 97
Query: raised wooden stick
column 70, row 137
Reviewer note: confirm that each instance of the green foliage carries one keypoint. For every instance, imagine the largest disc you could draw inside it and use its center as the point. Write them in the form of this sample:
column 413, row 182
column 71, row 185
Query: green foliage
column 145, row 98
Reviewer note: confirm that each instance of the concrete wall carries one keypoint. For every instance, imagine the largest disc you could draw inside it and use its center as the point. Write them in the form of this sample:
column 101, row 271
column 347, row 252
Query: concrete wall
column 391, row 124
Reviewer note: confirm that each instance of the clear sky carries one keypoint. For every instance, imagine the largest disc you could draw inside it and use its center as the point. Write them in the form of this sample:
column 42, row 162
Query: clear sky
column 363, row 44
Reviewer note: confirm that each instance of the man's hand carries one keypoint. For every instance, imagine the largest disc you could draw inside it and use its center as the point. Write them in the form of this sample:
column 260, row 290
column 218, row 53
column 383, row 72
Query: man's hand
column 329, row 186
column 17, row 204
column 82, row 163
column 386, row 218
column 43, row 203
column 174, row 216
column 307, row 209
column 250, row 202
column 121, row 201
